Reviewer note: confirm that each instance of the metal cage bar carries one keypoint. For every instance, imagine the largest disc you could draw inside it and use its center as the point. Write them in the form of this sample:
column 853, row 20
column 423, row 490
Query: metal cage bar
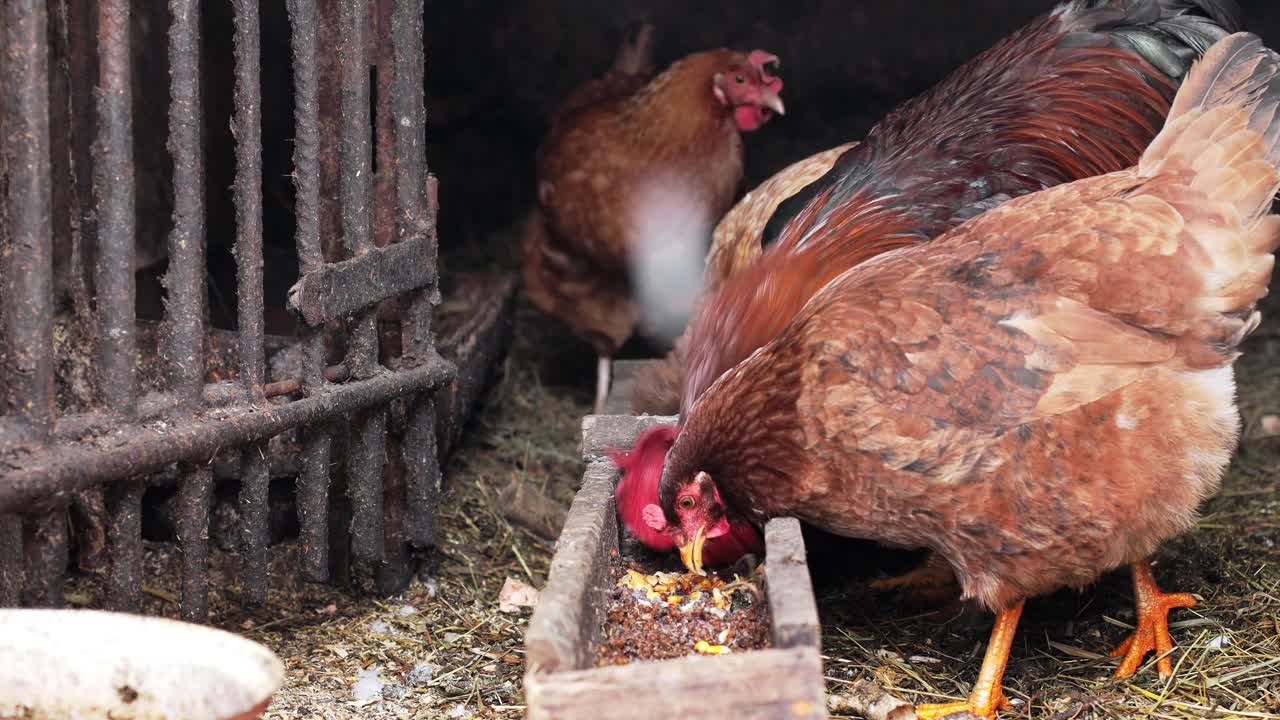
column 247, row 129
column 124, row 539
column 26, row 270
column 184, row 281
column 113, row 186
column 113, row 192
column 46, row 554
column 11, row 570
column 185, row 289
column 313, row 481
column 367, row 453
column 422, row 474
column 195, row 500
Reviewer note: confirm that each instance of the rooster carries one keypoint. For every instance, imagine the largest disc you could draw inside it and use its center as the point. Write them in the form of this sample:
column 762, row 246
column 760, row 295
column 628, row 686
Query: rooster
column 1009, row 395
column 1078, row 92
column 621, row 149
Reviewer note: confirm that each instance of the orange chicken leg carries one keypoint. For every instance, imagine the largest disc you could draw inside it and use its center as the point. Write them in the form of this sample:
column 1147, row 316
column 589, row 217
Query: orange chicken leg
column 1152, row 632
column 988, row 694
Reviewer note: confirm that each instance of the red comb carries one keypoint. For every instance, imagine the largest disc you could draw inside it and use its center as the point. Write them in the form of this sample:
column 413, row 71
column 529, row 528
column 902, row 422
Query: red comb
column 761, row 61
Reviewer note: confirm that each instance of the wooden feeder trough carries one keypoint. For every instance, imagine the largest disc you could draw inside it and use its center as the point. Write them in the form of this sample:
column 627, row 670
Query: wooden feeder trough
column 782, row 681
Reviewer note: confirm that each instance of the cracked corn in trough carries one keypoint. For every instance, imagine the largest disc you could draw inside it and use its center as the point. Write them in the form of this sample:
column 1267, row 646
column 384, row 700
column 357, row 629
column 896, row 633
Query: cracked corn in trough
column 672, row 614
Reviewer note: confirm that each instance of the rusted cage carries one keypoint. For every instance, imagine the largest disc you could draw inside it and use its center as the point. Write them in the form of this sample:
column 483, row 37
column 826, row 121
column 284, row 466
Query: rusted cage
column 378, row 262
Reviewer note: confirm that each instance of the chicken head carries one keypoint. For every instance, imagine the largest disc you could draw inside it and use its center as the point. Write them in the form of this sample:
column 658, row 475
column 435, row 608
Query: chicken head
column 699, row 515
column 751, row 89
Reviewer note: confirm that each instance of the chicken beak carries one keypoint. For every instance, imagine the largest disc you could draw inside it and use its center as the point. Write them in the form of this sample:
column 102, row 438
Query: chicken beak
column 691, row 552
column 770, row 99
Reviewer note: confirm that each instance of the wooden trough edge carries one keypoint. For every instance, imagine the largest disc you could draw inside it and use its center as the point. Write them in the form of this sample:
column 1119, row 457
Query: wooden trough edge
column 783, row 681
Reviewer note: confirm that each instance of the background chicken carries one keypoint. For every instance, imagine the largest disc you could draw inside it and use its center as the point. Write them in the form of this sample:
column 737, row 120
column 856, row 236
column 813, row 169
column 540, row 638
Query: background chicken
column 619, row 152
column 1007, row 395
column 1077, row 93
column 736, row 243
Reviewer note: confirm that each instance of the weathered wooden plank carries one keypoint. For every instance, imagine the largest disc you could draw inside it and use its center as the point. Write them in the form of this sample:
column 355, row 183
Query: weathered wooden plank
column 762, row 684
column 792, row 608
column 602, row 433
column 565, row 630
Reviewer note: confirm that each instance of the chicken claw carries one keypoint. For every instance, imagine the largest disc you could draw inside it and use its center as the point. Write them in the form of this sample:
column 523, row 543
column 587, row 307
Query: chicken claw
column 1152, row 632
column 988, row 693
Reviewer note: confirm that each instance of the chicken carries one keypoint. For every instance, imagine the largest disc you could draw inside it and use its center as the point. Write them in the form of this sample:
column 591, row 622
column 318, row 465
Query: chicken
column 1041, row 395
column 1077, row 93
column 617, row 142
column 735, row 244
column 637, row 493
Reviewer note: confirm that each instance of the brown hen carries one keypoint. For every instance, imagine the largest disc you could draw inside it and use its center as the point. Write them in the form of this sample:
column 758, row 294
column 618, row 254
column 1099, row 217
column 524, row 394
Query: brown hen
column 1040, row 395
column 621, row 147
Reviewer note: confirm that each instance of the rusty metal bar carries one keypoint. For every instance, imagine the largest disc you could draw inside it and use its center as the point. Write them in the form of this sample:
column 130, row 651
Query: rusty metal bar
column 254, row 464
column 384, row 197
column 355, row 189
column 365, row 461
column 367, row 453
column 339, row 289
column 124, row 538
column 247, row 129
column 303, row 19
column 26, row 269
column 313, row 482
column 184, row 280
column 410, row 132
column 255, row 528
column 113, row 187
column 49, row 475
column 72, row 78
column 195, row 499
column 10, row 560
column 46, row 553
column 313, row 503
column 422, row 471
column 413, row 224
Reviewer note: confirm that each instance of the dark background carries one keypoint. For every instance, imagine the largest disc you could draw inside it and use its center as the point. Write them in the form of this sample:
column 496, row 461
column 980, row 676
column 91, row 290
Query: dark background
column 496, row 69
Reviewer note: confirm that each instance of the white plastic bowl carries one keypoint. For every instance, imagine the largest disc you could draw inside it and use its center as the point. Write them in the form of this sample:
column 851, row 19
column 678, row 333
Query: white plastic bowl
column 90, row 665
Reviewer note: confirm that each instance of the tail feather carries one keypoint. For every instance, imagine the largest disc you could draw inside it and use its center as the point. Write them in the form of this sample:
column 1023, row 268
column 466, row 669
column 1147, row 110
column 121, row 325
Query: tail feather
column 1169, row 34
column 1223, row 139
column 1224, row 126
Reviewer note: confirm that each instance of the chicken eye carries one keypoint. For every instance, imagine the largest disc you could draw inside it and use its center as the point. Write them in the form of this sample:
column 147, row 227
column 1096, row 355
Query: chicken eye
column 739, row 79
column 686, row 502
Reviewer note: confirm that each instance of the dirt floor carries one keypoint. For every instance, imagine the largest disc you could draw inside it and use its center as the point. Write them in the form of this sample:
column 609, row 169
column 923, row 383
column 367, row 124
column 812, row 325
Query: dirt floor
column 443, row 649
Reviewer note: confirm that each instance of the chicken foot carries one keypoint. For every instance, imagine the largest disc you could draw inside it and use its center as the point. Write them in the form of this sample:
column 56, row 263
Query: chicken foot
column 604, row 373
column 1152, row 632
column 988, row 692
